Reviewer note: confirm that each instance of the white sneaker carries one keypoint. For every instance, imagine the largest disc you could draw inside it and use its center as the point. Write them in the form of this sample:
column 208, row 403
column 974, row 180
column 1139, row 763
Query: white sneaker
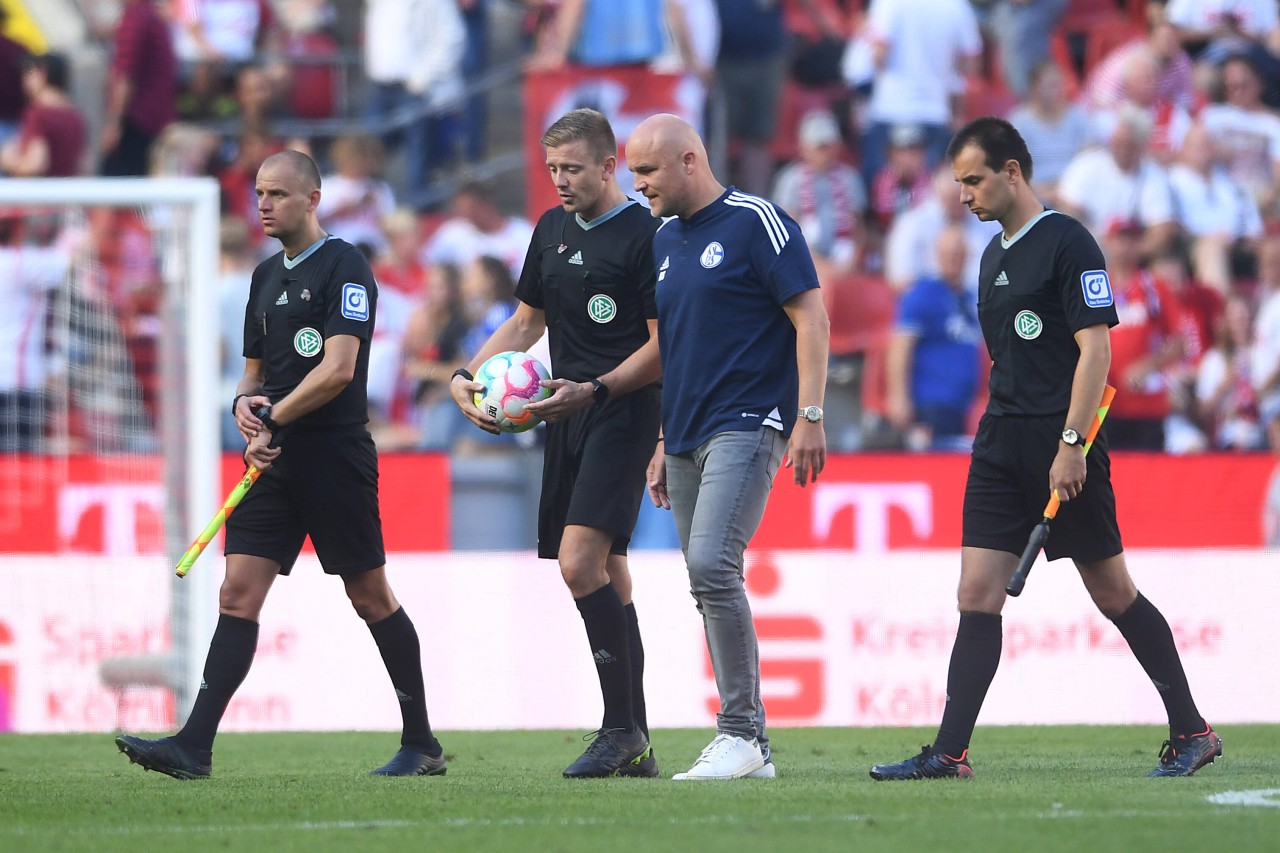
column 764, row 771
column 726, row 757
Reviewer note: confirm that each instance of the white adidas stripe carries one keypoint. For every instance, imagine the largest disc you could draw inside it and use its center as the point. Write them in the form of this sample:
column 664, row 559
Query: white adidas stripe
column 773, row 224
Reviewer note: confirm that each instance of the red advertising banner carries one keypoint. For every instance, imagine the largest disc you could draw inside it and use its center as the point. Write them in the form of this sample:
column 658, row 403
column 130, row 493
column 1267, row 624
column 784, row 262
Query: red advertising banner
column 626, row 94
column 115, row 506
column 867, row 502
column 881, row 502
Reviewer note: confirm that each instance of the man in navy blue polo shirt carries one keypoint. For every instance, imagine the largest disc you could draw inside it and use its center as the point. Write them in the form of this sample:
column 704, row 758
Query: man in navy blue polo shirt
column 743, row 336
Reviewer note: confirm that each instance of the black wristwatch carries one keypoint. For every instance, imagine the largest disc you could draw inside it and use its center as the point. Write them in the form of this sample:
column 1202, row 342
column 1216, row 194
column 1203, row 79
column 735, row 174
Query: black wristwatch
column 1071, row 437
column 264, row 414
column 599, row 391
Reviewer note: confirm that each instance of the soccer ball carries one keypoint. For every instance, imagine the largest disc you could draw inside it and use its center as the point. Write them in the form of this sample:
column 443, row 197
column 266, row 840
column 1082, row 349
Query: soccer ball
column 511, row 380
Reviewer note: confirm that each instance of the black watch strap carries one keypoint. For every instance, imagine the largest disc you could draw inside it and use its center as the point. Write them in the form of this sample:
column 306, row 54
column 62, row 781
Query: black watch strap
column 464, row 373
column 599, row 391
column 264, row 415
column 235, row 401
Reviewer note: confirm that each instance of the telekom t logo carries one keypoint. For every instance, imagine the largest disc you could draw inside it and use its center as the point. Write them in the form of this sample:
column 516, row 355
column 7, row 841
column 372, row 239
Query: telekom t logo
column 121, row 504
column 871, row 503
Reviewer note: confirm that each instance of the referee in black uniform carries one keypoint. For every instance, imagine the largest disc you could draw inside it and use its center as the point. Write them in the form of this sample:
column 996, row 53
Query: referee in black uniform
column 588, row 280
column 1046, row 307
column 308, row 324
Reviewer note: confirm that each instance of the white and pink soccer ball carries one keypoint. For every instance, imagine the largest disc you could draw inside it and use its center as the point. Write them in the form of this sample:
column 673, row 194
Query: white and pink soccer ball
column 512, row 380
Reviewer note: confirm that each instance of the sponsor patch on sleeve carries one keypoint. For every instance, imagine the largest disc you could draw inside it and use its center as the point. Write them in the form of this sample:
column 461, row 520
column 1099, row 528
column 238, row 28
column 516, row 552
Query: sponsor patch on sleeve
column 355, row 302
column 1097, row 289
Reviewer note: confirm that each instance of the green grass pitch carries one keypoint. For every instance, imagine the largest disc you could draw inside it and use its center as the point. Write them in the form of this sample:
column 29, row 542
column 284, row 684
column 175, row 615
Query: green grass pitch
column 1037, row 789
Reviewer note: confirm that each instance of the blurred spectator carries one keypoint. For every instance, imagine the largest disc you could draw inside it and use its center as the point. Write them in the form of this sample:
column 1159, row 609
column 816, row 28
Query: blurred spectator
column 238, row 179
column 1055, row 129
column 475, row 61
column 1200, row 308
column 750, row 71
column 489, row 296
column 413, row 56
column 1215, row 211
column 1248, row 131
column 433, row 350
column 1265, row 369
column 356, row 198
column 1212, row 30
column 141, row 90
column 922, row 51
column 910, row 250
column 1021, row 29
column 1119, row 182
column 389, row 411
column 596, row 33
column 310, row 67
column 904, row 180
column 255, row 99
column 51, row 143
column 27, row 275
column 477, row 227
column 1107, row 86
column 13, row 57
column 933, row 360
column 1148, row 340
column 236, row 260
column 1169, row 120
column 1225, row 388
column 397, row 267
column 692, row 30
column 184, row 151
column 1271, row 505
column 826, row 197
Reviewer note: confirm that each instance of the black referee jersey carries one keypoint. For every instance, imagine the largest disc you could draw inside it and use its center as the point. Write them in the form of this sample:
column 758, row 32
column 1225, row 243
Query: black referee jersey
column 595, row 282
column 294, row 306
column 1035, row 291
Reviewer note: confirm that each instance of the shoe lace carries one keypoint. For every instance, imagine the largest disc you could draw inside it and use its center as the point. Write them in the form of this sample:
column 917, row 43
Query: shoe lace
column 722, row 744
column 1168, row 752
column 601, row 739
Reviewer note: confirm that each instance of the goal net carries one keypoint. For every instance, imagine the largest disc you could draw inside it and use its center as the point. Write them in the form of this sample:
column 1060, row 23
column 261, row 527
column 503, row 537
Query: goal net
column 109, row 448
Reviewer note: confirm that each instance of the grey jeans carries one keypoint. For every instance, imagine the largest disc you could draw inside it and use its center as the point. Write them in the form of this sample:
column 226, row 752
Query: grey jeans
column 718, row 494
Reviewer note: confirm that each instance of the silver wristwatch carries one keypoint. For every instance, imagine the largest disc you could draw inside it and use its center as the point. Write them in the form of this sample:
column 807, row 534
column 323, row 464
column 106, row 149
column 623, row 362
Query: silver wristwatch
column 812, row 414
column 1071, row 437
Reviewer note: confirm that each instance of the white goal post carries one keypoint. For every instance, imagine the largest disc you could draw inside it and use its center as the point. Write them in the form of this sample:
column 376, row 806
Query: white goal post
column 182, row 215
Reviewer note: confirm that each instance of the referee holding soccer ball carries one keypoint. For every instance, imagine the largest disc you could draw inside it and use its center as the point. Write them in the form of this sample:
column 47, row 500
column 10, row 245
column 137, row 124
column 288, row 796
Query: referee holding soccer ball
column 588, row 281
column 302, row 408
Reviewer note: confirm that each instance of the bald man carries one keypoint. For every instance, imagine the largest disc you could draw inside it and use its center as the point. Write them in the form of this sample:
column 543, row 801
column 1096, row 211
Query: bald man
column 743, row 337
column 302, row 408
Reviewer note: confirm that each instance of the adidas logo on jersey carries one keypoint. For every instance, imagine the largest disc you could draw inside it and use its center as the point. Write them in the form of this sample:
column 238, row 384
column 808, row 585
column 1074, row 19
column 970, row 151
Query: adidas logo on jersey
column 577, row 258
column 284, row 298
column 1002, row 279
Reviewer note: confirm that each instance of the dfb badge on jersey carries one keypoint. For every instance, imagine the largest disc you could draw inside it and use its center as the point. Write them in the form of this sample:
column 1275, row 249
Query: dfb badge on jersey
column 355, row 302
column 1097, row 289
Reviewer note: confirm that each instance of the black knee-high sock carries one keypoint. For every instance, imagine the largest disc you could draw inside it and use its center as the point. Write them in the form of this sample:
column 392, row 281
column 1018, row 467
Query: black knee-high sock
column 397, row 640
column 1147, row 632
column 606, row 624
column 230, row 655
column 636, row 649
column 974, row 660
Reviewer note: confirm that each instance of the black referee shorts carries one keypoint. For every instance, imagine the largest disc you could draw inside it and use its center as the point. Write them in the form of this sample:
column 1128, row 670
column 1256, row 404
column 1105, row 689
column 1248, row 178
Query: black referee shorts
column 324, row 484
column 593, row 471
column 1008, row 487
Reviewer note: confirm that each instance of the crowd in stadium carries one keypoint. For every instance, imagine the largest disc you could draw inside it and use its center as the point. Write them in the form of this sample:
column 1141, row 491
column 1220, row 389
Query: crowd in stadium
column 1156, row 124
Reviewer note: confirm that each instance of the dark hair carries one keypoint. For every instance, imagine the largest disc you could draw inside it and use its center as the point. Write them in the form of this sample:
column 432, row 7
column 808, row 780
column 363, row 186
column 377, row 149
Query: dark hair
column 583, row 125
column 57, row 73
column 501, row 283
column 997, row 139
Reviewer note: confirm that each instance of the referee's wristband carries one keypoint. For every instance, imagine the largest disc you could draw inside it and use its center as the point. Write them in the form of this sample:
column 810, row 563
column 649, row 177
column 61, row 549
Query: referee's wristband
column 235, row 402
column 464, row 373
